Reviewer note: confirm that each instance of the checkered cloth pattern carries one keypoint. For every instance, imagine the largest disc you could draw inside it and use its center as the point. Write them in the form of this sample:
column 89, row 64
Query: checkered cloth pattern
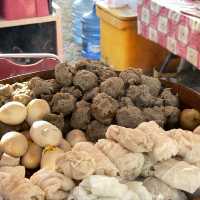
column 163, row 22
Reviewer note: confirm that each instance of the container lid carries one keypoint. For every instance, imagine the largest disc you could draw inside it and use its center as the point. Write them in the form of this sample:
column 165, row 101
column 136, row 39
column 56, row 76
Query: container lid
column 124, row 13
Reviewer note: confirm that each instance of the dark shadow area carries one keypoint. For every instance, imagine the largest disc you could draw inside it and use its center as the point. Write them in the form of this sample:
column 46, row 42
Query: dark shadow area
column 37, row 38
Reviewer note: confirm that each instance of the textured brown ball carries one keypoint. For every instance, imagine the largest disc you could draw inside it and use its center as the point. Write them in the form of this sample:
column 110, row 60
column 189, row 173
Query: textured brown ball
column 126, row 101
column 105, row 73
column 104, row 108
column 96, row 131
column 154, row 84
column 85, row 80
column 113, row 87
column 169, row 98
column 81, row 116
column 73, row 91
column 172, row 115
column 155, row 114
column 129, row 117
column 141, row 96
column 39, row 86
column 63, row 74
column 89, row 95
column 131, row 77
column 63, row 103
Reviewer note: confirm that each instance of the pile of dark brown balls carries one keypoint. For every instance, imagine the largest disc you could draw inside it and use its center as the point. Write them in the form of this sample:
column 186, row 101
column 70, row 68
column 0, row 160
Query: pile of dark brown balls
column 91, row 96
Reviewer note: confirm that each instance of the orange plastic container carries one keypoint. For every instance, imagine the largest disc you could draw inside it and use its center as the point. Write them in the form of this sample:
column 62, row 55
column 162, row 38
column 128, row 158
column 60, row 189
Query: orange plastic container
column 121, row 46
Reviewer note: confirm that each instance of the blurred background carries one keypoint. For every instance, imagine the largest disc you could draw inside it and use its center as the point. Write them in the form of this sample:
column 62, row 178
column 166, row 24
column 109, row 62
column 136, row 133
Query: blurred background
column 71, row 50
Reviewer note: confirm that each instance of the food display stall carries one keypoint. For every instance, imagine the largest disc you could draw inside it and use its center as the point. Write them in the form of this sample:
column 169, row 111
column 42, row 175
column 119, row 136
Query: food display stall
column 87, row 131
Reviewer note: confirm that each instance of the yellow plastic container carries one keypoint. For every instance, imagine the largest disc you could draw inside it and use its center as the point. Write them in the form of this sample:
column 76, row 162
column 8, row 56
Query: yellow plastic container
column 121, row 46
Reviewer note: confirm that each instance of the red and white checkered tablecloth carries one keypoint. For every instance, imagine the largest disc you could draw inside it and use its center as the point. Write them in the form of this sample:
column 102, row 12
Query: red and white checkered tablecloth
column 165, row 22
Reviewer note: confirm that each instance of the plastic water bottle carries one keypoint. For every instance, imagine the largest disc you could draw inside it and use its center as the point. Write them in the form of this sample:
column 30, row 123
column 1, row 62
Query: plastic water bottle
column 79, row 7
column 91, row 35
